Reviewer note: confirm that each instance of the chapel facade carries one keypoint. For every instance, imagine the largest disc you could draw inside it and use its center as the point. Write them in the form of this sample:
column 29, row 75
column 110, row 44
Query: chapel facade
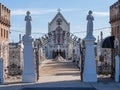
column 59, row 43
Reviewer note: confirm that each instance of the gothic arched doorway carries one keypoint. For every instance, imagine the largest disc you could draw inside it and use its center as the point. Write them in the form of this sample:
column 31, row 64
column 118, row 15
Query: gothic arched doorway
column 56, row 53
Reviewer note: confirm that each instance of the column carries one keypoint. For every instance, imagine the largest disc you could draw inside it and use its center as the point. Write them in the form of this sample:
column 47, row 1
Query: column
column 1, row 71
column 117, row 65
column 89, row 70
column 29, row 71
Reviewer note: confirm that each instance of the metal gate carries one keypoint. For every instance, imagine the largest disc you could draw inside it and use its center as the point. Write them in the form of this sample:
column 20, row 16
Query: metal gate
column 106, row 60
column 44, row 40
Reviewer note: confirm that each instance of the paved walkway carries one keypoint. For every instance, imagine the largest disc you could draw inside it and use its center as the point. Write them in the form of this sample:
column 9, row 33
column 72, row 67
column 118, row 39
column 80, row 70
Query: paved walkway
column 57, row 71
column 61, row 74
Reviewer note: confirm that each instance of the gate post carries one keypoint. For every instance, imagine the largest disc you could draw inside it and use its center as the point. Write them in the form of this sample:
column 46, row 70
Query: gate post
column 29, row 73
column 89, row 71
column 1, row 71
column 117, row 65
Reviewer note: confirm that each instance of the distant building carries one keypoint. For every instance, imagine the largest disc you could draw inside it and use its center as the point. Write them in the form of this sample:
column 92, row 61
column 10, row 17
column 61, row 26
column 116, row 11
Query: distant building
column 115, row 24
column 103, row 54
column 59, row 43
column 59, row 40
column 103, row 58
column 4, row 33
column 115, row 28
column 115, row 19
column 15, row 58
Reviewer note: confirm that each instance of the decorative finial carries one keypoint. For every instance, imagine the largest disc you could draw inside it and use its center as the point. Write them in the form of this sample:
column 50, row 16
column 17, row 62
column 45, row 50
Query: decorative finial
column 98, row 39
column 101, row 34
column 59, row 10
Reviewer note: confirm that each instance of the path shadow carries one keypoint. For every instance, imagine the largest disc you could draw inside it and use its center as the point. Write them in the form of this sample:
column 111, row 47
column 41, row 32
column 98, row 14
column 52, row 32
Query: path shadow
column 58, row 88
column 59, row 85
column 63, row 74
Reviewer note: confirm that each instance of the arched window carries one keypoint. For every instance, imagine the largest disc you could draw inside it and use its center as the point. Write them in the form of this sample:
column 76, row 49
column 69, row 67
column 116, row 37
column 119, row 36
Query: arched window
column 59, row 21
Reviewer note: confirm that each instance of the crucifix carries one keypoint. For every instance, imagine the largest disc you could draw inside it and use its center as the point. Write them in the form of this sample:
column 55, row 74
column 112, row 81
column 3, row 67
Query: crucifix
column 59, row 10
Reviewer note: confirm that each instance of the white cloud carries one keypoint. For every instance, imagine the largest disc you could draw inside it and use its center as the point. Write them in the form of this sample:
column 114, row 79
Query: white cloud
column 46, row 11
column 33, row 11
column 18, row 12
column 102, row 14
column 40, row 11
column 71, row 10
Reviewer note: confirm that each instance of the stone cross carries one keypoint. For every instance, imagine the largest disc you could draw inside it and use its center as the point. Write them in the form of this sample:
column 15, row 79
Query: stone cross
column 59, row 10
column 28, row 20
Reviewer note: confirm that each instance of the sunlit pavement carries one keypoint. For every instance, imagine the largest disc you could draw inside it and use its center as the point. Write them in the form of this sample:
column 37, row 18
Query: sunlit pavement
column 56, row 71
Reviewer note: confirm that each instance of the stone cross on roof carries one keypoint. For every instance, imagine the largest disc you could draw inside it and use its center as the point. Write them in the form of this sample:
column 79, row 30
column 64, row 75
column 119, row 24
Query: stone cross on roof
column 59, row 9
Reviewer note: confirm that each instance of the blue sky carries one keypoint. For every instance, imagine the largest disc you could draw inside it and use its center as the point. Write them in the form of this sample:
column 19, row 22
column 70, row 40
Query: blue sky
column 43, row 11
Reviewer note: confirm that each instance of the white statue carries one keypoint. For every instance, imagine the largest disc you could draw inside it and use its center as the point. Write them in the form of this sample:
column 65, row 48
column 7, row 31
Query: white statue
column 28, row 20
column 90, row 19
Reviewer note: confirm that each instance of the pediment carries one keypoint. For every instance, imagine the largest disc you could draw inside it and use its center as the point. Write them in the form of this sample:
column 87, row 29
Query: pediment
column 59, row 17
